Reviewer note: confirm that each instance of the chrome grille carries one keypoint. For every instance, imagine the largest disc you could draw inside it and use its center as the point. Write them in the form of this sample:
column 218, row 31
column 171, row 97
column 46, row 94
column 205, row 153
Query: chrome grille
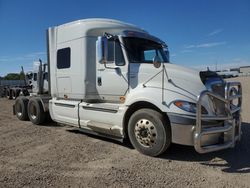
column 231, row 131
column 218, row 105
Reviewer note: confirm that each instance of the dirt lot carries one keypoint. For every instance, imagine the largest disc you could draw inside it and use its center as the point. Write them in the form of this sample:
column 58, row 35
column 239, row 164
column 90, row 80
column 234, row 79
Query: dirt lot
column 60, row 156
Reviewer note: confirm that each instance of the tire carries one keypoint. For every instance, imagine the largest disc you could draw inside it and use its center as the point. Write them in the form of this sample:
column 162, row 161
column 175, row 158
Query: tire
column 35, row 111
column 14, row 94
column 149, row 132
column 18, row 93
column 21, row 105
column 9, row 94
column 48, row 118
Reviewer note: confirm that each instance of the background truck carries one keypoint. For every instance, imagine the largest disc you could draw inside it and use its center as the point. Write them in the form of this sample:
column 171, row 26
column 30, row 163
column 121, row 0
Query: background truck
column 29, row 85
column 39, row 78
column 114, row 79
column 13, row 88
column 6, row 85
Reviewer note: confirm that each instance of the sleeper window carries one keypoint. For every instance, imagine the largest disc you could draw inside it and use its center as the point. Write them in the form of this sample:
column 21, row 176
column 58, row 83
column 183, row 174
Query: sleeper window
column 63, row 58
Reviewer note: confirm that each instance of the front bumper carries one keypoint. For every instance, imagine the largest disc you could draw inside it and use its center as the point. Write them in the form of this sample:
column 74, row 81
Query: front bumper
column 210, row 133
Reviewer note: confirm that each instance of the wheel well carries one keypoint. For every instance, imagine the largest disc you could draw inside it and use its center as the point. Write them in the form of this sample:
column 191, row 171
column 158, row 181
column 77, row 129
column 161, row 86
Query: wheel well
column 136, row 106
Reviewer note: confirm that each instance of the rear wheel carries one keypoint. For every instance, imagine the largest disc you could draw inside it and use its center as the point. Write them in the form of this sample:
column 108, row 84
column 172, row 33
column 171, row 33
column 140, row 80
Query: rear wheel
column 149, row 132
column 14, row 94
column 35, row 111
column 21, row 104
column 9, row 94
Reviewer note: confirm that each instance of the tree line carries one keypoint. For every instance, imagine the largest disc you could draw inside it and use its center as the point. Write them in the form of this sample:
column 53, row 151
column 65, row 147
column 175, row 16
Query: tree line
column 14, row 76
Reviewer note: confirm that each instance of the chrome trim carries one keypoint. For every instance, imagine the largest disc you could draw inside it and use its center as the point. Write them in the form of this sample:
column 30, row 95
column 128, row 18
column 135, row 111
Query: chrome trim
column 182, row 134
column 100, row 109
column 232, row 120
column 65, row 105
column 48, row 59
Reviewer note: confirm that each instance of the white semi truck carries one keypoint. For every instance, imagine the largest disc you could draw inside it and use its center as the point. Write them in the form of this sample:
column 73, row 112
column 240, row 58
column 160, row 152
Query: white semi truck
column 114, row 79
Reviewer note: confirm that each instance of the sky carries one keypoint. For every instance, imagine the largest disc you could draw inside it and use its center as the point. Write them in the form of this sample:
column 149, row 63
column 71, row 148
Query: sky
column 199, row 33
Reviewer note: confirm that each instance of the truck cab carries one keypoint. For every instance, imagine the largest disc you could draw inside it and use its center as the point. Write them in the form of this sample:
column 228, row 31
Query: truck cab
column 39, row 78
column 114, row 79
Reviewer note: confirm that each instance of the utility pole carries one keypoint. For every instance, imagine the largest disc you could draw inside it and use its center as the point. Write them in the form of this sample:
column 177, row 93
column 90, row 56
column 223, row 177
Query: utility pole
column 22, row 72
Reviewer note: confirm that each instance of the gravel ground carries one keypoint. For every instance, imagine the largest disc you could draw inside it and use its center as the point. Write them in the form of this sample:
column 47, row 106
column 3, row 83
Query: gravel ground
column 60, row 156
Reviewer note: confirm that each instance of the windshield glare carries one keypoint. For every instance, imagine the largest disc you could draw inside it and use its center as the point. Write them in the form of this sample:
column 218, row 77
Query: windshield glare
column 142, row 50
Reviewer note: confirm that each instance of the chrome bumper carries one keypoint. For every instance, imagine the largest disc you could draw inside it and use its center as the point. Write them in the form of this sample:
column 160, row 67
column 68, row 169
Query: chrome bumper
column 230, row 131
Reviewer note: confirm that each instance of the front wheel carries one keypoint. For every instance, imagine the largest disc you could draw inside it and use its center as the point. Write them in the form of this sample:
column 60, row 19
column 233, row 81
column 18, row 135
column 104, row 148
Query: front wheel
column 149, row 132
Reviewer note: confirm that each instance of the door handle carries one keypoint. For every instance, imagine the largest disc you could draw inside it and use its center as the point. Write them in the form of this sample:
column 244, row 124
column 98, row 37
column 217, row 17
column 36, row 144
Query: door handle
column 133, row 75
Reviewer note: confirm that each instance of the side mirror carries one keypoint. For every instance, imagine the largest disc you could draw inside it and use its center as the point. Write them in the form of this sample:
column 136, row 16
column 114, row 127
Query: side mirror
column 102, row 49
column 167, row 55
column 156, row 61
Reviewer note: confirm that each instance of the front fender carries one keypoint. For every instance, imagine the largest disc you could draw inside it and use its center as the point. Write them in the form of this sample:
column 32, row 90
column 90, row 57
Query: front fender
column 154, row 95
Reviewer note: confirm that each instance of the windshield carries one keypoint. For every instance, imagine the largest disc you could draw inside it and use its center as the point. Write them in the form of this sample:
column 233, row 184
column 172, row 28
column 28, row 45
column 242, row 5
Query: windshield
column 142, row 50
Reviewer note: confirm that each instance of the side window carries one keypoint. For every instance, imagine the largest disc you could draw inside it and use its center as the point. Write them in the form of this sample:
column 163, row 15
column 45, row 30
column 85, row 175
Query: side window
column 63, row 58
column 149, row 56
column 119, row 58
column 35, row 77
column 111, row 54
column 45, row 76
column 115, row 53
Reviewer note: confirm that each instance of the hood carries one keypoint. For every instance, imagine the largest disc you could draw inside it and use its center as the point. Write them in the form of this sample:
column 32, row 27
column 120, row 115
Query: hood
column 181, row 72
column 185, row 79
column 180, row 80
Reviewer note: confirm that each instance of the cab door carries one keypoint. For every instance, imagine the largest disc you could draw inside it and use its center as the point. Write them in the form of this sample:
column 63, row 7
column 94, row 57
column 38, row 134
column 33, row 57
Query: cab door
column 112, row 81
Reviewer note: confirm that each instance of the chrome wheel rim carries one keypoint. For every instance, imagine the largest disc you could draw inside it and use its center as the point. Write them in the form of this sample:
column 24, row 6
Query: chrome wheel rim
column 33, row 112
column 145, row 133
column 19, row 110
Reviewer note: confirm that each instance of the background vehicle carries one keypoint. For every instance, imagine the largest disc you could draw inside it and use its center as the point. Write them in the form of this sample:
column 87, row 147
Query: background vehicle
column 114, row 79
column 29, row 85
column 39, row 77
column 13, row 88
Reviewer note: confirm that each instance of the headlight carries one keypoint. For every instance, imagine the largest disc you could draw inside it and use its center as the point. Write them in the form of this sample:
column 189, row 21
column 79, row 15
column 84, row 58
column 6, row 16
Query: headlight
column 189, row 107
